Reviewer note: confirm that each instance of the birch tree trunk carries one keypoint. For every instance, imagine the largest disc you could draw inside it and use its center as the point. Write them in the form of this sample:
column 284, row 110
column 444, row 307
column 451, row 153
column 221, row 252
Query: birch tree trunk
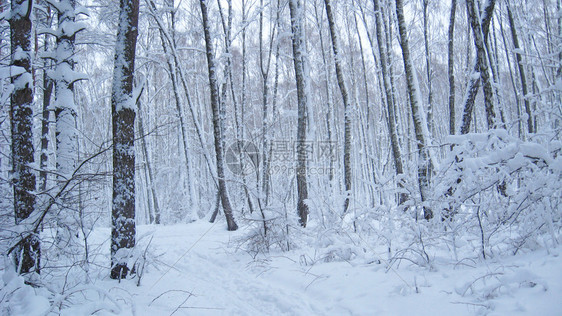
column 424, row 161
column 299, row 51
column 219, row 150
column 521, row 69
column 346, row 104
column 482, row 61
column 451, row 67
column 154, row 218
column 327, row 84
column 391, row 119
column 482, row 27
column 180, row 75
column 123, row 124
column 512, row 80
column 429, row 71
column 27, row 252
column 173, row 77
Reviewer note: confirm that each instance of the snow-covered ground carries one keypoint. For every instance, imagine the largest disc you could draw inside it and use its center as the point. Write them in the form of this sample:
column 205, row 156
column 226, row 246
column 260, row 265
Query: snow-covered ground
column 196, row 269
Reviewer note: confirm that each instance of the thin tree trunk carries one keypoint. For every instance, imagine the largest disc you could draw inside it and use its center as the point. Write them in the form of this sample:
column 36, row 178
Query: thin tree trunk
column 482, row 61
column 424, row 159
column 512, row 79
column 366, row 123
column 267, row 118
column 346, row 104
column 481, row 27
column 451, row 67
column 219, row 145
column 45, row 117
column 150, row 181
column 171, row 44
column 123, row 122
column 390, row 107
column 521, row 69
column 299, row 51
column 327, row 85
column 177, row 100
column 216, row 210
column 46, row 111
column 238, row 119
column 268, row 188
column 429, row 71
column 388, row 31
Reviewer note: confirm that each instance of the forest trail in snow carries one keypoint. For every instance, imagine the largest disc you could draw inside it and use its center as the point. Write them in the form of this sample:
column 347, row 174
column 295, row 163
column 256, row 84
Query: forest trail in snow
column 196, row 269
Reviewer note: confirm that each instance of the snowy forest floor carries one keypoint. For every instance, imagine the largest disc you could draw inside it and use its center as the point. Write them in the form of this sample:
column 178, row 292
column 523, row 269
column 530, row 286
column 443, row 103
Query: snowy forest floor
column 198, row 269
column 200, row 273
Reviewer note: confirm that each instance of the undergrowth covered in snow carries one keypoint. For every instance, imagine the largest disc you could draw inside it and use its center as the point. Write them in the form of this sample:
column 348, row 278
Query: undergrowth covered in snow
column 492, row 247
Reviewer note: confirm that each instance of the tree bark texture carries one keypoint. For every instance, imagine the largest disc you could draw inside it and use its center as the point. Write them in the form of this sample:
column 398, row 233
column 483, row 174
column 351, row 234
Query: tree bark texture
column 123, row 122
column 482, row 29
column 451, row 67
column 391, row 119
column 27, row 253
column 299, row 51
column 219, row 143
column 346, row 104
column 424, row 161
column 521, row 68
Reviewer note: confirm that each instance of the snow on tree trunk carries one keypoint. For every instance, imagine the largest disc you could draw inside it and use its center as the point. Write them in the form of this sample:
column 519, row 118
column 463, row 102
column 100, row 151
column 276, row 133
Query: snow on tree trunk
column 65, row 113
column 123, row 121
column 45, row 20
column 428, row 69
column 346, row 104
column 482, row 61
column 219, row 143
column 474, row 78
column 420, row 127
column 299, row 50
column 174, row 77
column 391, row 119
column 27, row 253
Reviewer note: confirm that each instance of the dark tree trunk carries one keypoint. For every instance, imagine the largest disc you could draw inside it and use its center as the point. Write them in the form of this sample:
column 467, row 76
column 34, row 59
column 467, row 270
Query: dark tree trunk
column 521, row 68
column 346, row 104
column 429, row 71
column 482, row 61
column 219, row 144
column 451, row 69
column 424, row 159
column 45, row 117
column 297, row 18
column 123, row 121
column 27, row 253
column 46, row 102
column 474, row 82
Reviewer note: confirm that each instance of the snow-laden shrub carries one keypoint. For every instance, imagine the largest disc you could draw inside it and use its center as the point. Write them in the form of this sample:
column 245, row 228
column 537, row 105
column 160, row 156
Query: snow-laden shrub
column 501, row 193
column 269, row 229
column 18, row 298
